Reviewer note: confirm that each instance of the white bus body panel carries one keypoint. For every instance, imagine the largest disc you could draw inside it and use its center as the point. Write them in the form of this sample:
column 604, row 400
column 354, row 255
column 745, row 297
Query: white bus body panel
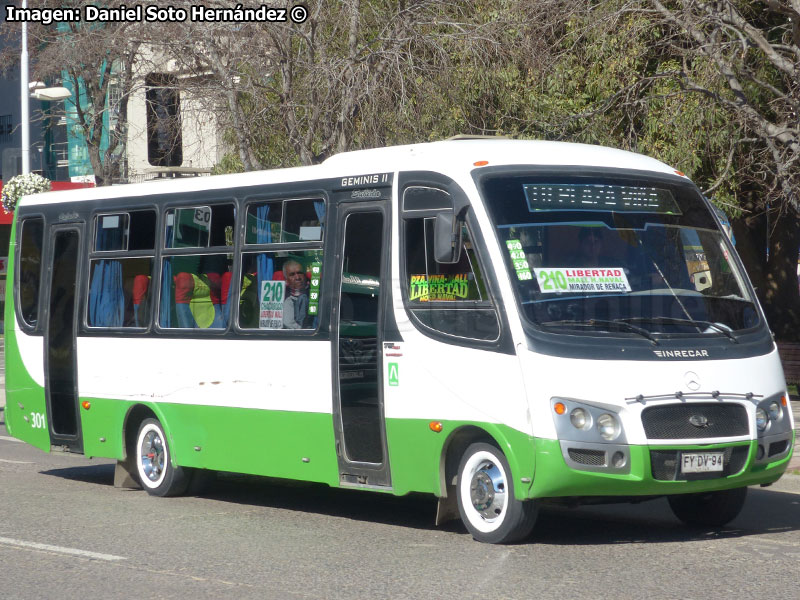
column 616, row 385
column 269, row 375
column 31, row 350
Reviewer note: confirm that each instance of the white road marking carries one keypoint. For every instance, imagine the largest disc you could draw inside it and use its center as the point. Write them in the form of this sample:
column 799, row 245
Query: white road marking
column 16, row 462
column 9, row 439
column 60, row 549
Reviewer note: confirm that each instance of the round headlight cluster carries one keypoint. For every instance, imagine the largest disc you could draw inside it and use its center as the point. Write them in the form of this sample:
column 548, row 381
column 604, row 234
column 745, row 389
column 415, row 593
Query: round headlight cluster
column 608, row 426
column 580, row 419
column 761, row 419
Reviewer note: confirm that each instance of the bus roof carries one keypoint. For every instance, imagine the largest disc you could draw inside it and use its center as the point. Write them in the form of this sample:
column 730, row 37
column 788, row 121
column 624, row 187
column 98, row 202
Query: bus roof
column 450, row 157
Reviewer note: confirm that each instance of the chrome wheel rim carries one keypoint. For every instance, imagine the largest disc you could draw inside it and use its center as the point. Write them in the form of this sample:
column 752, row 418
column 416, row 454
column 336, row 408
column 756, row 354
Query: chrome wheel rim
column 152, row 456
column 484, row 491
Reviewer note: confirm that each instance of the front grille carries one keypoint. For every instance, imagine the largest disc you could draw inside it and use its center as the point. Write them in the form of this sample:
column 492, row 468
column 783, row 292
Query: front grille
column 665, row 466
column 712, row 420
column 595, row 458
column 778, row 448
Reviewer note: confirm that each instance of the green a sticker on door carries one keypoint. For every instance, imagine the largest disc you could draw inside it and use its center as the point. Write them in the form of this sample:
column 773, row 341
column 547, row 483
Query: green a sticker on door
column 394, row 377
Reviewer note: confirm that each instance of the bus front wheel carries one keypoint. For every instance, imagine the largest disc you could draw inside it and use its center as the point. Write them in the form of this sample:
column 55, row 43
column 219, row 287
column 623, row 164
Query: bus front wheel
column 710, row 509
column 156, row 472
column 486, row 501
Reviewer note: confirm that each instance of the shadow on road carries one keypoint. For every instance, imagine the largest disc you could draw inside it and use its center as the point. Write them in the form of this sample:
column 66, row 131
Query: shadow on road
column 97, row 474
column 651, row 522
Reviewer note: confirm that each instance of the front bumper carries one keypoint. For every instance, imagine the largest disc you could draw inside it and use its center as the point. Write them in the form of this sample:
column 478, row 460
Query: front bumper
column 651, row 470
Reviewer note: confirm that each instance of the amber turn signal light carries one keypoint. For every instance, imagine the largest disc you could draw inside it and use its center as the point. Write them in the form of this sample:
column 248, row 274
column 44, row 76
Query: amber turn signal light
column 559, row 408
column 86, row 405
column 436, row 426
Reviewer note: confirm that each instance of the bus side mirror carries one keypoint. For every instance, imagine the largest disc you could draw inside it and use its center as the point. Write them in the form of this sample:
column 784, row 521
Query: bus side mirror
column 447, row 238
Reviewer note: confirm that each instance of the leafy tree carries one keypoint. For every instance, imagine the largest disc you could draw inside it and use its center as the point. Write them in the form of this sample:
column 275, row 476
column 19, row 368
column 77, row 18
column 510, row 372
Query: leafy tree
column 744, row 59
column 89, row 57
column 709, row 87
column 355, row 74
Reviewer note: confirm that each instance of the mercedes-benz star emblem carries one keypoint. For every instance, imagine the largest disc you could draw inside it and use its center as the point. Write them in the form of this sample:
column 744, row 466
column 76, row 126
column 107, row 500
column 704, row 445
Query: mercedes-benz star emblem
column 699, row 421
column 692, row 381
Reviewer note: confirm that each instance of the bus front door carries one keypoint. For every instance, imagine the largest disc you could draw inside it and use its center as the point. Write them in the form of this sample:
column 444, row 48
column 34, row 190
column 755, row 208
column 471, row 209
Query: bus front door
column 61, row 383
column 358, row 397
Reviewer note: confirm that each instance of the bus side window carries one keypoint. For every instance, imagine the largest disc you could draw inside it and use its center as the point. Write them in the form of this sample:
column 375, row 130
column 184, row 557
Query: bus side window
column 280, row 290
column 119, row 285
column 450, row 298
column 192, row 295
column 30, row 269
column 285, row 221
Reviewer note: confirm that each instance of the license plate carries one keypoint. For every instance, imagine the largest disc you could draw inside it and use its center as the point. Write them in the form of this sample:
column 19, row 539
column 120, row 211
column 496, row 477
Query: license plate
column 701, row 462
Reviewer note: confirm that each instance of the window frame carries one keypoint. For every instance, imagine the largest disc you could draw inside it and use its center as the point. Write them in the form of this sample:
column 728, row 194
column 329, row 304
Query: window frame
column 163, row 252
column 93, row 254
column 162, row 91
column 491, row 302
column 283, row 200
column 245, row 248
column 25, row 325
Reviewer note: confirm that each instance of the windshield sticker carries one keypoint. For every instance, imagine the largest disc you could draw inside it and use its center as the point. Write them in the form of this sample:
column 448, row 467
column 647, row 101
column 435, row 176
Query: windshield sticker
column 430, row 288
column 518, row 259
column 570, row 279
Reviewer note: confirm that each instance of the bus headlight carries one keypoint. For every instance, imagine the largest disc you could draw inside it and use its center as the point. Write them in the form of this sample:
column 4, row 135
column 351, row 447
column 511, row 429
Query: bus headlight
column 580, row 419
column 608, row 426
column 774, row 410
column 761, row 419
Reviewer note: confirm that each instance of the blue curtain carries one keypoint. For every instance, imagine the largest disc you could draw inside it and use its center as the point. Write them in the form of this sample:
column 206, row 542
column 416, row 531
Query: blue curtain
column 106, row 295
column 319, row 208
column 263, row 236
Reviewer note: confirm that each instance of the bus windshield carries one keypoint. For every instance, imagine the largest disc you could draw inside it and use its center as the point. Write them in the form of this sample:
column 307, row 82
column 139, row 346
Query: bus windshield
column 617, row 254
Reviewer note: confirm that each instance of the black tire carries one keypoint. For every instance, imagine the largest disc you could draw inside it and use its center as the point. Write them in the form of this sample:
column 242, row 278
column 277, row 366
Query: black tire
column 486, row 502
column 157, row 474
column 709, row 510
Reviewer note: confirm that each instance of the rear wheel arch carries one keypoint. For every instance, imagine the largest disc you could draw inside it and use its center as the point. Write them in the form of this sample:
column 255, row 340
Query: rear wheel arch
column 194, row 480
column 130, row 427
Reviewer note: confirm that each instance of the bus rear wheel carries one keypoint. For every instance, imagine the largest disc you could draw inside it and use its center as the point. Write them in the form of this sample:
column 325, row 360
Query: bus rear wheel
column 486, row 502
column 156, row 472
column 710, row 509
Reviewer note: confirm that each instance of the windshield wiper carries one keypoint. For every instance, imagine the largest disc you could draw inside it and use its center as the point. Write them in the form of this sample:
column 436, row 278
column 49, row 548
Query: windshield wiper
column 618, row 324
column 693, row 322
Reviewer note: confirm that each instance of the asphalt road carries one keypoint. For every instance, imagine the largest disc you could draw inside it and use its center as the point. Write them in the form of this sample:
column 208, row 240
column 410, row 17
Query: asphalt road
column 66, row 532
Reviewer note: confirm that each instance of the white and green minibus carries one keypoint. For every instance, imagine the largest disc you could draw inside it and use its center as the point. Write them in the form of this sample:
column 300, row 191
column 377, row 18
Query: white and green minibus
column 497, row 323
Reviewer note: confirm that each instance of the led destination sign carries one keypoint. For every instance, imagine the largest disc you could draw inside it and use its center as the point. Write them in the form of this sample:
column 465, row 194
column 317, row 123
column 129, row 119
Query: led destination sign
column 611, row 198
